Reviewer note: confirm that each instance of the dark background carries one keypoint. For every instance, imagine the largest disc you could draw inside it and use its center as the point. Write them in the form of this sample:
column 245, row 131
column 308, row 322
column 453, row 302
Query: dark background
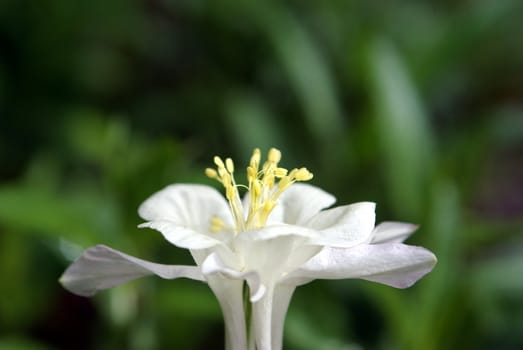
column 417, row 105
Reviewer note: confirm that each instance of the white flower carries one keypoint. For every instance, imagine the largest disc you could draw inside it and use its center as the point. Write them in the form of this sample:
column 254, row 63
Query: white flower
column 277, row 238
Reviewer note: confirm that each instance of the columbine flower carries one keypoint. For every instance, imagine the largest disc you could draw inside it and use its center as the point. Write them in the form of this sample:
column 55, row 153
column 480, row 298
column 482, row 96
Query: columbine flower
column 278, row 237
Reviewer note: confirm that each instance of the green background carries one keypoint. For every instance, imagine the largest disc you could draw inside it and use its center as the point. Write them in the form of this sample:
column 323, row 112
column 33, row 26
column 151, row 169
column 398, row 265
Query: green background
column 416, row 105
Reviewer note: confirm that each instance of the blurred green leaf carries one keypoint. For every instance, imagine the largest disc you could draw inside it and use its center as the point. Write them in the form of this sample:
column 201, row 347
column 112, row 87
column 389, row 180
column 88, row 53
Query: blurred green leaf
column 16, row 262
column 252, row 125
column 402, row 126
column 438, row 290
column 188, row 299
column 499, row 275
column 82, row 216
column 305, row 66
column 320, row 324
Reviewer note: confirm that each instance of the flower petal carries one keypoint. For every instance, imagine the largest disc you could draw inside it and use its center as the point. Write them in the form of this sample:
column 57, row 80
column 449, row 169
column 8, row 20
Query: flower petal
column 180, row 236
column 394, row 264
column 274, row 258
column 214, row 265
column 280, row 230
column 344, row 226
column 189, row 206
column 299, row 203
column 182, row 213
column 389, row 232
column 101, row 267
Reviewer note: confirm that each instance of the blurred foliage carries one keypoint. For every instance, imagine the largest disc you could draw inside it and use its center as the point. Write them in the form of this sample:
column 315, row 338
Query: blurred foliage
column 417, row 105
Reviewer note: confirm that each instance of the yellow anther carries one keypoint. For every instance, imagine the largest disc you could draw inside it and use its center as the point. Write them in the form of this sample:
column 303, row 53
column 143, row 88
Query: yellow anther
column 274, row 156
column 255, row 158
column 261, row 185
column 229, row 165
column 222, row 172
column 280, row 172
column 219, row 162
column 211, row 173
column 303, row 175
column 292, row 173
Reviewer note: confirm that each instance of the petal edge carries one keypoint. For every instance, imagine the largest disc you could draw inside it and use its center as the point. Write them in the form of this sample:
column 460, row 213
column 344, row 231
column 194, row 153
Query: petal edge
column 101, row 267
column 394, row 264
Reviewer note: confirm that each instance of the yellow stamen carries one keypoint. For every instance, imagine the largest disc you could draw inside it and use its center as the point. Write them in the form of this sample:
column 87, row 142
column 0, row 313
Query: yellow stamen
column 274, row 156
column 280, row 172
column 264, row 186
column 211, row 173
column 251, row 174
column 256, row 189
column 303, row 175
column 219, row 162
column 256, row 158
column 229, row 165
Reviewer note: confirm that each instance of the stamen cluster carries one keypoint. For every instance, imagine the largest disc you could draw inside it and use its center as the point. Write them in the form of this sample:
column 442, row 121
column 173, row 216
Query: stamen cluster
column 265, row 185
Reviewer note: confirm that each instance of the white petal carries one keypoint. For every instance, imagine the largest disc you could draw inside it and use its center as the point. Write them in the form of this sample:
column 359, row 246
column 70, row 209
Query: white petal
column 182, row 213
column 188, row 206
column 230, row 296
column 101, row 267
column 344, row 226
column 280, row 304
column 274, row 258
column 182, row 237
column 214, row 265
column 389, row 232
column 394, row 264
column 280, row 230
column 299, row 203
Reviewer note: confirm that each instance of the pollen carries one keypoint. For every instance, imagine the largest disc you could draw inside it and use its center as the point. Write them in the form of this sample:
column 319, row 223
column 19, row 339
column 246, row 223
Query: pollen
column 264, row 186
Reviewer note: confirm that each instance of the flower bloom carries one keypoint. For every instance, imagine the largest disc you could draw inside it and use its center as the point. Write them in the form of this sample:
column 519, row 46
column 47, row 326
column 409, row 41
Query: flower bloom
column 279, row 236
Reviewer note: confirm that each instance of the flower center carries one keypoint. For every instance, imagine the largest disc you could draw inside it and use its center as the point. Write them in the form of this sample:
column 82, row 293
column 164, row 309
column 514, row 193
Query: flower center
column 265, row 185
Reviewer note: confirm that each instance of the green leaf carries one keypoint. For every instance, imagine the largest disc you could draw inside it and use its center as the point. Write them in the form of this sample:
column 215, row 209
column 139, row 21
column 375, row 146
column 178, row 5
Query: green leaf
column 305, row 66
column 402, row 127
column 251, row 124
column 82, row 217
column 500, row 275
